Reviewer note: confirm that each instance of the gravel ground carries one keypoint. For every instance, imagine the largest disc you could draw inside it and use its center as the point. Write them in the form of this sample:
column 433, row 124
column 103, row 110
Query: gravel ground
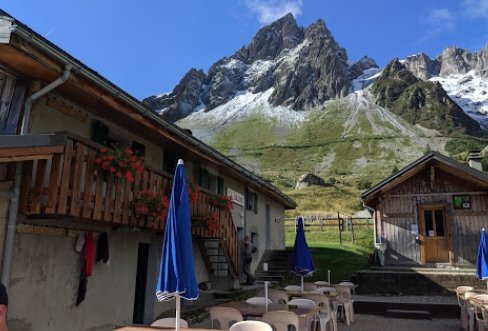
column 375, row 323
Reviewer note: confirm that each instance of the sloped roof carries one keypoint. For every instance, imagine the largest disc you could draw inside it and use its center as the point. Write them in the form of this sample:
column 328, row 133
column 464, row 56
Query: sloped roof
column 53, row 51
column 446, row 163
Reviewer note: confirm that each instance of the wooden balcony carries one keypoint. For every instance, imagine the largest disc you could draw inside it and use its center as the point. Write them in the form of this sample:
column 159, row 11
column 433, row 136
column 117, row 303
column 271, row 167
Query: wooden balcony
column 68, row 184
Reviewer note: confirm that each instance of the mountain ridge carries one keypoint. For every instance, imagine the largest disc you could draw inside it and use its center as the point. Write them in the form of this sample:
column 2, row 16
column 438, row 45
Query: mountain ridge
column 306, row 67
column 290, row 103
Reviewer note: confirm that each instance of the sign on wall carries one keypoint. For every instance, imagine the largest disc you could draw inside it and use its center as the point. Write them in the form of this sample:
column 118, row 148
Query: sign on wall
column 461, row 201
column 236, row 197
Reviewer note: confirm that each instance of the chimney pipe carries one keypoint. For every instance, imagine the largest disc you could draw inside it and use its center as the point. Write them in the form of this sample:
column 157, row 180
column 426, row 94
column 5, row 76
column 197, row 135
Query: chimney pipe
column 474, row 160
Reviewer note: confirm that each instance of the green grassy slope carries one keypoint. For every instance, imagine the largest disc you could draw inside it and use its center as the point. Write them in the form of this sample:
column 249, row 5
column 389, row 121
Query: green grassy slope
column 347, row 145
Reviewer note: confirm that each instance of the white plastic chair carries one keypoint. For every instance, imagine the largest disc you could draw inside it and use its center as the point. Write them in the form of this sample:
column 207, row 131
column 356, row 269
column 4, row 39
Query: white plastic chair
column 351, row 287
column 345, row 301
column 300, row 302
column 309, row 286
column 169, row 322
column 327, row 314
column 326, row 289
column 460, row 290
column 321, row 283
column 225, row 316
column 281, row 319
column 470, row 308
column 259, row 300
column 479, row 313
column 277, row 296
column 251, row 326
column 484, row 314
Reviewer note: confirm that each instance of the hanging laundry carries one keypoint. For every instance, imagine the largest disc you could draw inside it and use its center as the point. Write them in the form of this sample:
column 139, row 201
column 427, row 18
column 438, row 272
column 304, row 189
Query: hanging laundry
column 82, row 286
column 89, row 256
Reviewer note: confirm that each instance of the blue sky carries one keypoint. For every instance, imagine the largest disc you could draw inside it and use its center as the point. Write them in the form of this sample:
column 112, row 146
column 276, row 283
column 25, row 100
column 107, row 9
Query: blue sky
column 146, row 46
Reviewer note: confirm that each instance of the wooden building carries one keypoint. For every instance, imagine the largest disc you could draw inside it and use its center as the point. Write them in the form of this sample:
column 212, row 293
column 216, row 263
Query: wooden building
column 431, row 211
column 56, row 116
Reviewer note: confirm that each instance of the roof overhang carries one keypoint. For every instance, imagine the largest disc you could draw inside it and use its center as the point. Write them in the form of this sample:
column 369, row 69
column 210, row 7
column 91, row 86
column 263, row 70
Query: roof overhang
column 33, row 56
column 438, row 160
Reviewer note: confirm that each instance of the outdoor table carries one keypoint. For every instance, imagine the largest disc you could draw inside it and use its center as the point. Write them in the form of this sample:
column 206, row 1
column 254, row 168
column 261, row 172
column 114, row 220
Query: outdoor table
column 299, row 294
column 254, row 310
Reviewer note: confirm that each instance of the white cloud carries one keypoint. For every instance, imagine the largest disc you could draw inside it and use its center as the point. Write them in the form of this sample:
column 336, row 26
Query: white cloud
column 438, row 21
column 268, row 11
column 476, row 8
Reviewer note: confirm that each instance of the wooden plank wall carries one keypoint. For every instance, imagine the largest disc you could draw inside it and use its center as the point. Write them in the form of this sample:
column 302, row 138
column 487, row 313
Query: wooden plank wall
column 398, row 212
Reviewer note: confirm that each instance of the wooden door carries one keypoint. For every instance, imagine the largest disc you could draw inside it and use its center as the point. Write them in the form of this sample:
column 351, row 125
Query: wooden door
column 434, row 234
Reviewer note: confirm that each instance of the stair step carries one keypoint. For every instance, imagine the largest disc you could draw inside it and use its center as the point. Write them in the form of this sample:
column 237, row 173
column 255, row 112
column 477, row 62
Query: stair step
column 211, row 243
column 410, row 314
column 270, row 273
column 271, row 278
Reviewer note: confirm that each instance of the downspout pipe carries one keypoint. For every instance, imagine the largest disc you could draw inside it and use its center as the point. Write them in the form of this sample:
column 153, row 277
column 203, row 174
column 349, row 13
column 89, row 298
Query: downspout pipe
column 14, row 199
column 46, row 89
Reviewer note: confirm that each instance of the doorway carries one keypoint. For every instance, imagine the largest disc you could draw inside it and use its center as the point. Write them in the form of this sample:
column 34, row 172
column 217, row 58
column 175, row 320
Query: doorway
column 434, row 234
column 146, row 279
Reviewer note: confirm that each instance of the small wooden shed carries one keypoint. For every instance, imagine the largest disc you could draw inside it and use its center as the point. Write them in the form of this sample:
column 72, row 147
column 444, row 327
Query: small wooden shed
column 431, row 211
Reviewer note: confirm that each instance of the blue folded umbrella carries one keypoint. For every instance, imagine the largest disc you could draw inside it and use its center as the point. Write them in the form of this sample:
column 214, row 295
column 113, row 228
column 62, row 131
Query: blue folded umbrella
column 177, row 271
column 301, row 262
column 482, row 257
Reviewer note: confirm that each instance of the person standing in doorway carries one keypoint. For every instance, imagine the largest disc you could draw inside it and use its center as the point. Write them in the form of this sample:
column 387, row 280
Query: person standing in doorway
column 249, row 249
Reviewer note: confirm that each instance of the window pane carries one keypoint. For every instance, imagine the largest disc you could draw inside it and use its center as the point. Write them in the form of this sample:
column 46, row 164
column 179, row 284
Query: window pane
column 100, row 133
column 220, row 185
column 203, row 179
column 255, row 203
column 429, row 226
column 169, row 162
column 249, row 200
column 138, row 149
column 439, row 222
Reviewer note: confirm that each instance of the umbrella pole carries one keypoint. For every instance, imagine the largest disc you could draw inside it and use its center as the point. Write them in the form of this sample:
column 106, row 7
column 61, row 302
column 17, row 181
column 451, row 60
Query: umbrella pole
column 266, row 293
column 178, row 313
column 302, row 282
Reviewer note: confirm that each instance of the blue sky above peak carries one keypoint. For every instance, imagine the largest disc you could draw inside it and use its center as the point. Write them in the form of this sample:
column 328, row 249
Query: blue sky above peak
column 268, row 11
column 146, row 47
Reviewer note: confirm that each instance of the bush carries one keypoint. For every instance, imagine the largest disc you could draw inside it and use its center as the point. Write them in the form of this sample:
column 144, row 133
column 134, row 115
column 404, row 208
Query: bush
column 364, row 184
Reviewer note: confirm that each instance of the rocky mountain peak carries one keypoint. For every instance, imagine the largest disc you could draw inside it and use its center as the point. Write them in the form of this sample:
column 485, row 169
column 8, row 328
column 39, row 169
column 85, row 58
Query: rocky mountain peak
column 316, row 72
column 455, row 60
column 421, row 102
column 422, row 66
column 318, row 29
column 300, row 68
column 360, row 66
column 184, row 98
column 271, row 40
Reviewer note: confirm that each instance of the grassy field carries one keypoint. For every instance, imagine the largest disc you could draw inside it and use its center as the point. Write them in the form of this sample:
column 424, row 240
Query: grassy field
column 343, row 260
column 343, row 155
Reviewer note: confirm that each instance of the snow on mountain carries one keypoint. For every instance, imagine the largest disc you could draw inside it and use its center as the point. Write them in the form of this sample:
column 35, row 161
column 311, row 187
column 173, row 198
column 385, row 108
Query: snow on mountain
column 368, row 77
column 244, row 104
column 470, row 92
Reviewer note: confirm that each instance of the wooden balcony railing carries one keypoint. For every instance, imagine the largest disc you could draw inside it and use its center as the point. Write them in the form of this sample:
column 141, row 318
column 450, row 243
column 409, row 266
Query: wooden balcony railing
column 70, row 184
